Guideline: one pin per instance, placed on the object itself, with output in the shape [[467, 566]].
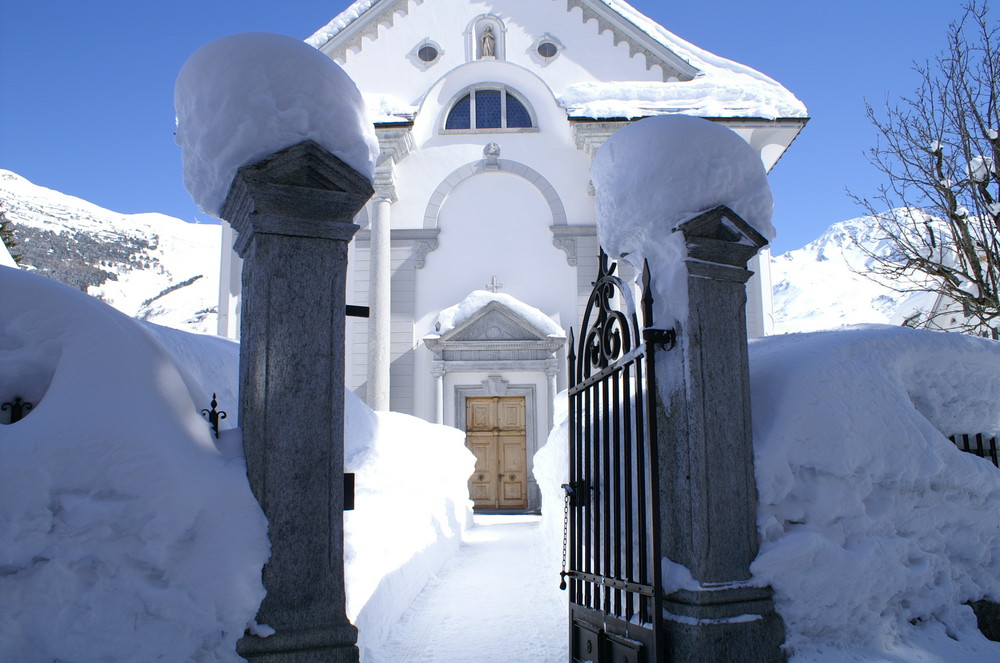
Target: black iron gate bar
[[987, 450], [615, 549]]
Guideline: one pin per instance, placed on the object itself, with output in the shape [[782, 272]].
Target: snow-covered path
[[496, 601]]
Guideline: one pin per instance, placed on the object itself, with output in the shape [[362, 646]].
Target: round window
[[547, 49], [427, 53]]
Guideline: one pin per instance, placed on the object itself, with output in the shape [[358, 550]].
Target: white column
[[438, 373], [379, 298], [231, 268], [551, 372]]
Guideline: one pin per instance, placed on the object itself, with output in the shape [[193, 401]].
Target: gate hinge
[[575, 492], [664, 337]]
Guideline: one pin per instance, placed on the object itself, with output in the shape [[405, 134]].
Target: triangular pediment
[[494, 322], [368, 20]]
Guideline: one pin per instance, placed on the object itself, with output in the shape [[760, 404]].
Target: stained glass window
[[517, 114], [460, 114], [488, 108], [488, 114]]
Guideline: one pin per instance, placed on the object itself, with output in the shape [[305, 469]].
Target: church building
[[478, 250]]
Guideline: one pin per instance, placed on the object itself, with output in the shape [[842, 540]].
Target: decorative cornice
[[639, 43], [420, 241], [589, 136], [352, 37]]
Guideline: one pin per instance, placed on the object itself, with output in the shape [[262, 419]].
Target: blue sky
[[86, 88]]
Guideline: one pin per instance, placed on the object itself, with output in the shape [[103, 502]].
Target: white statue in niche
[[488, 42]]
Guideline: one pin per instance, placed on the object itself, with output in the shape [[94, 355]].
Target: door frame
[[495, 386]]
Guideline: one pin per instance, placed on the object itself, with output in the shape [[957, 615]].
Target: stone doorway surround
[[496, 340], [497, 386]]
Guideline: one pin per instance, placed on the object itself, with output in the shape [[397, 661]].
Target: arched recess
[[474, 33], [474, 168]]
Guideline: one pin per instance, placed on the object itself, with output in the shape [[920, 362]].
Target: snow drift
[[128, 536], [876, 529], [129, 533]]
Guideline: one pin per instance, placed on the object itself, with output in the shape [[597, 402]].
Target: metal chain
[[564, 573]]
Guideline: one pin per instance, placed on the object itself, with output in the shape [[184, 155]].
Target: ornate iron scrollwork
[[214, 415], [609, 331]]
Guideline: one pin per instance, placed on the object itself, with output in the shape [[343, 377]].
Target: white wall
[[494, 223]]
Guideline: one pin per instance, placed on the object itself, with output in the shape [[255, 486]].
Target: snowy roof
[[720, 88]]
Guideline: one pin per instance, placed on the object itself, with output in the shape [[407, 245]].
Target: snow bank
[[128, 536], [412, 509], [550, 467], [243, 97], [875, 528]]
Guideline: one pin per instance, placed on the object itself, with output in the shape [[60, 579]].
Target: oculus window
[[427, 53], [547, 49], [488, 108]]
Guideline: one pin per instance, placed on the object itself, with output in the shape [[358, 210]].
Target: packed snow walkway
[[496, 601]]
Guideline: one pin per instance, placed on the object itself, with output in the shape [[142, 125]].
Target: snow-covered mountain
[[158, 268], [820, 285], [151, 266]]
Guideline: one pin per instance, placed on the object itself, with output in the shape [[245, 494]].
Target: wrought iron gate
[[613, 502]]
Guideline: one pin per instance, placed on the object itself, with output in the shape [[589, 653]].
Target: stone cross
[[293, 214], [494, 285]]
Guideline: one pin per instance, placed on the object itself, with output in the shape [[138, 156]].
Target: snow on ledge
[[454, 316]]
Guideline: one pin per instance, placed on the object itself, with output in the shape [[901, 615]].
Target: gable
[[368, 20], [594, 47], [495, 322]]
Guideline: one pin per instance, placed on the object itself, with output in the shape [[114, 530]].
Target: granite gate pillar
[[293, 214], [708, 505]]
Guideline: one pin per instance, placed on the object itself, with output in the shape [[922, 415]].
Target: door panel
[[483, 482], [495, 433], [513, 489]]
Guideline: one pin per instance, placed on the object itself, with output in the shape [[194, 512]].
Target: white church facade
[[478, 250]]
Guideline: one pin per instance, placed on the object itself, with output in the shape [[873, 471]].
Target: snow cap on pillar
[[657, 173], [243, 97]]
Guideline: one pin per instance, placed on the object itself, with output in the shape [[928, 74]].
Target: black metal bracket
[[214, 415], [664, 337], [348, 491], [18, 408], [358, 311]]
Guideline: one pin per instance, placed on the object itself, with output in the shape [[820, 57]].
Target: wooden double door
[[496, 435]]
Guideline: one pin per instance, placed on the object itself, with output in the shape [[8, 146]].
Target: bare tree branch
[[939, 150]]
